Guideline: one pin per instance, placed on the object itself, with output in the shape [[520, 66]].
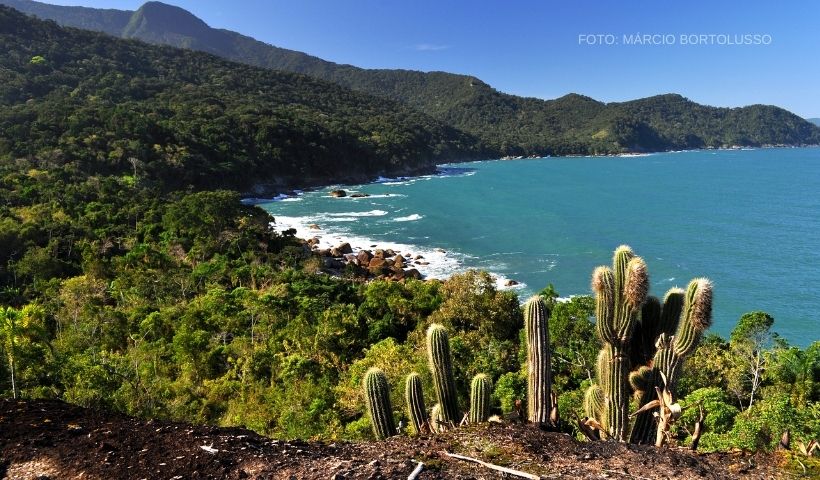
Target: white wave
[[505, 283], [408, 218], [292, 199], [371, 213]]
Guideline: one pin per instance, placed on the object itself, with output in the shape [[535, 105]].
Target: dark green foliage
[[480, 390], [414, 396], [441, 367], [510, 125], [377, 395]]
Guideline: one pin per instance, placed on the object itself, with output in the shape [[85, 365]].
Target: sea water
[[747, 219]]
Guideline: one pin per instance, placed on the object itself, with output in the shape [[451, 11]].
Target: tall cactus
[[441, 366], [377, 396], [480, 398], [688, 314], [414, 397], [539, 376], [620, 293]]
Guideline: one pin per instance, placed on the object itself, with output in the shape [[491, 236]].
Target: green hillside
[[185, 118], [511, 125]]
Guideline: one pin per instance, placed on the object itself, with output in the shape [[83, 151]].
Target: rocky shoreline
[[385, 264]]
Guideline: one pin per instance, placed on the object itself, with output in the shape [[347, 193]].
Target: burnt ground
[[55, 440]]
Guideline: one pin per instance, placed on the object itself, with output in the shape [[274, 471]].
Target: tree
[[747, 344], [15, 325]]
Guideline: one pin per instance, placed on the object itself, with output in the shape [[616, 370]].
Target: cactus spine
[[441, 366], [480, 398], [620, 293], [539, 379], [377, 396], [415, 402]]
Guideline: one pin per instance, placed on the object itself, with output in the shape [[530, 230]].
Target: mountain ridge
[[508, 124]]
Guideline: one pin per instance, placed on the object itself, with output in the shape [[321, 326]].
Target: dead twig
[[416, 472], [497, 468]]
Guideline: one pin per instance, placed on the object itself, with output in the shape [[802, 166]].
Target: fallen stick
[[498, 468], [415, 473]]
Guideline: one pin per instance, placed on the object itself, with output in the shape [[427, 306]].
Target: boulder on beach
[[364, 257], [313, 241], [338, 193], [376, 265], [510, 283], [359, 195], [345, 247], [398, 261], [313, 226], [412, 273], [441, 250], [378, 253]]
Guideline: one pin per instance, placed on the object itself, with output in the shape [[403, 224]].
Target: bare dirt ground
[[55, 440]]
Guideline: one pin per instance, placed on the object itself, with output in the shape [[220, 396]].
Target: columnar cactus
[[539, 377], [415, 402], [441, 366], [480, 398], [377, 396], [688, 314], [594, 402], [620, 293]]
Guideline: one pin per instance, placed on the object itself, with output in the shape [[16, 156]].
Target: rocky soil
[[54, 440]]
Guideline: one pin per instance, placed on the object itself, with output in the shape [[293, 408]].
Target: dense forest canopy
[[510, 125], [182, 118]]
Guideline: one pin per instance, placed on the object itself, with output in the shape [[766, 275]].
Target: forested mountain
[[183, 118], [511, 125]]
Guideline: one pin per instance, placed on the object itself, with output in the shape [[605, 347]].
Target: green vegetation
[[508, 124], [127, 284]]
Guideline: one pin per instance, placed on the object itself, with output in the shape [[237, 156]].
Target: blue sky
[[532, 48]]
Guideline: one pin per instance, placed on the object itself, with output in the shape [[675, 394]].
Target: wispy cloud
[[429, 47]]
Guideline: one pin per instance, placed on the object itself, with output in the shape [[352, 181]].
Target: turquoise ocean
[[747, 219]]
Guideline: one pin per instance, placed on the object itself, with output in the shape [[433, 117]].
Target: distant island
[[502, 124], [815, 121]]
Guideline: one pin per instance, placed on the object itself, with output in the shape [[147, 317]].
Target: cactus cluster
[[644, 345]]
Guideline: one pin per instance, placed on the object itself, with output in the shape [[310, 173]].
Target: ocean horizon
[[748, 219]]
